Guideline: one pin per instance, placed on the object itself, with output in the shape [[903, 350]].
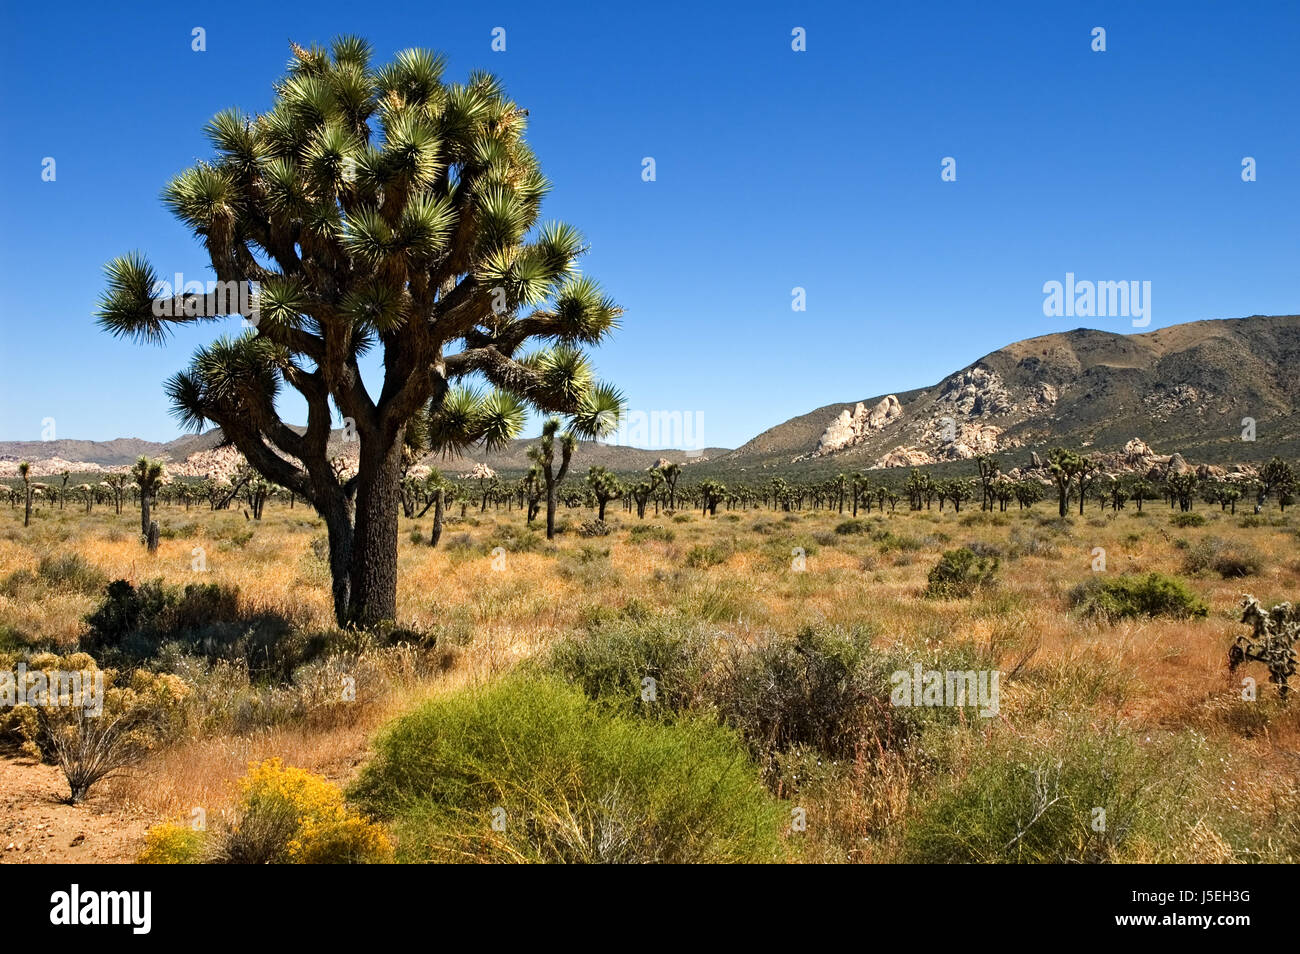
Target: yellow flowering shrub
[[352, 841], [170, 844], [289, 815]]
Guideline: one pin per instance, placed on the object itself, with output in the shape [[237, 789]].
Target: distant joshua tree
[[441, 493], [1141, 490], [24, 471], [988, 469], [605, 486], [1064, 466], [117, 484], [597, 418], [148, 477], [1182, 488], [670, 472], [712, 493], [642, 490], [1277, 476]]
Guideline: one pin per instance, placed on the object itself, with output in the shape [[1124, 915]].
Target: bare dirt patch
[[38, 827]]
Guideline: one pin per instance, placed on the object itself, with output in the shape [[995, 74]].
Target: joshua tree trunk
[[601, 515], [437, 517], [145, 507], [372, 567]]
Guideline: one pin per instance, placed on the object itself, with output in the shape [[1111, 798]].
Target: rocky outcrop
[[49, 467], [1166, 401], [905, 457], [1137, 449], [1138, 458], [977, 392], [849, 429], [972, 440]]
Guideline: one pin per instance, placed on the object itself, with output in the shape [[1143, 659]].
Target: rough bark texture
[[373, 564], [437, 518]]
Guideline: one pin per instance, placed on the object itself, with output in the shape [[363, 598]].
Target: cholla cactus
[[1272, 641]]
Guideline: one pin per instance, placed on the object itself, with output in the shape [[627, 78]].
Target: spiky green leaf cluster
[[380, 206]]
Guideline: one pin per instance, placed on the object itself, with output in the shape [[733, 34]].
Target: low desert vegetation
[[674, 687]]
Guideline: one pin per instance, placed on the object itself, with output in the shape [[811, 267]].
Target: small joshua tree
[[1272, 641], [148, 476], [25, 472], [605, 486], [712, 493], [642, 490], [1064, 465], [600, 416], [670, 472]]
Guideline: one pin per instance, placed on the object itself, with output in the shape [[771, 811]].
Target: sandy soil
[[37, 827]]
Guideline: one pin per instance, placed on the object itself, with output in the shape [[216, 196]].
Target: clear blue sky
[[775, 169]]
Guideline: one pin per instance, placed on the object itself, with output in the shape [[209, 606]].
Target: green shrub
[[595, 528], [1211, 553], [1121, 597], [651, 531], [826, 689], [1231, 564], [984, 518], [613, 662], [1035, 800], [240, 539], [71, 572], [184, 531], [1187, 520], [133, 624], [514, 540], [17, 581], [704, 555], [851, 527], [713, 600], [1031, 543], [959, 573], [890, 541], [529, 770], [589, 566]]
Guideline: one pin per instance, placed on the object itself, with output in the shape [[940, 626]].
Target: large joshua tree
[[376, 209]]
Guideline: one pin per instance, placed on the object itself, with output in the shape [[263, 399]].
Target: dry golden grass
[[1157, 675]]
